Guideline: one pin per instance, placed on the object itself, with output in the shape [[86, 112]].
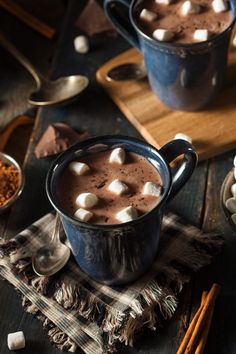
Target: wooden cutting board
[[213, 130]]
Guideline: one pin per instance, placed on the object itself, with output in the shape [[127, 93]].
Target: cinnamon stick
[[31, 21], [190, 339], [210, 300]]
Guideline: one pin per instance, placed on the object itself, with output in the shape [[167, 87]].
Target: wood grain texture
[[159, 124]]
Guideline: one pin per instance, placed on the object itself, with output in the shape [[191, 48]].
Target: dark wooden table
[[198, 202]]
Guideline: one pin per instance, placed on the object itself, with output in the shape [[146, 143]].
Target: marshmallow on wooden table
[[183, 136], [219, 6], [81, 44], [148, 15], [151, 188], [233, 190], [118, 187], [163, 2], [79, 168], [16, 340], [190, 7], [231, 205], [163, 35], [86, 200], [83, 215], [201, 35], [117, 156], [127, 214]]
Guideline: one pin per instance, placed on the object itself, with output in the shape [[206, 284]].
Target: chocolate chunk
[[57, 138], [93, 19]]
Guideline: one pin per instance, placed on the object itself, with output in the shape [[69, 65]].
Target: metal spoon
[[48, 92], [128, 71], [51, 258]]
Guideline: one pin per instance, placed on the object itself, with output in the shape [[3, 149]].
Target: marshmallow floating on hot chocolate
[[233, 190], [127, 214], [163, 35], [117, 156], [118, 187], [201, 35], [190, 7], [148, 15], [79, 168], [219, 6], [183, 136], [152, 189], [231, 205], [163, 2], [16, 340], [86, 200], [83, 214]]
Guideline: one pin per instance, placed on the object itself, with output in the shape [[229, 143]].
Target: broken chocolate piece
[[58, 137], [93, 19]]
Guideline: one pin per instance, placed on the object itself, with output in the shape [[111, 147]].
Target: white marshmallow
[[83, 215], [201, 35], [151, 188], [79, 168], [234, 162], [233, 190], [163, 2], [231, 205], [190, 7], [163, 35], [234, 41], [16, 340], [118, 187], [234, 172], [118, 156], [81, 44], [148, 15], [233, 218], [219, 6], [183, 136], [127, 214], [86, 200]]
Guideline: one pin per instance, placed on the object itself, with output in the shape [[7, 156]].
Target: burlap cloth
[[77, 311]]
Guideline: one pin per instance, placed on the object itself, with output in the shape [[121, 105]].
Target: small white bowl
[[225, 194], [11, 161]]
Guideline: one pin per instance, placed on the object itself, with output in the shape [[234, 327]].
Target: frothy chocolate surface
[[170, 17], [135, 172]]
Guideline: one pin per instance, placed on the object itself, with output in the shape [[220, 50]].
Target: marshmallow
[[219, 6], [234, 162], [16, 340], [118, 187], [148, 15], [234, 172], [233, 190], [81, 44], [190, 7], [118, 156], [163, 35], [83, 215], [127, 214], [234, 41], [86, 200], [233, 218], [152, 189], [163, 2], [183, 136], [231, 205], [201, 35], [79, 168]]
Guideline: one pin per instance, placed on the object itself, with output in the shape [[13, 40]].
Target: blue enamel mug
[[185, 77], [120, 253]]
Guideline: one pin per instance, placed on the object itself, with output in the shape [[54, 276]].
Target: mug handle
[[174, 149], [122, 21]]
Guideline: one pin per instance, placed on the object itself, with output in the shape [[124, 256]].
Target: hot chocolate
[[181, 21], [109, 187]]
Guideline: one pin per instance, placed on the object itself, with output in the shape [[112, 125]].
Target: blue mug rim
[[91, 141], [172, 45]]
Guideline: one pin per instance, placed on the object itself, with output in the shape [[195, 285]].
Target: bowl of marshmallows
[[228, 196]]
